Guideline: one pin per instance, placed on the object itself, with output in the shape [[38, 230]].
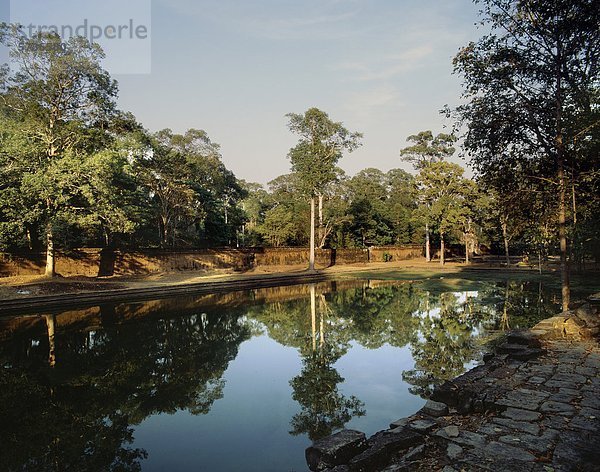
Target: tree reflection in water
[[76, 411], [323, 408], [73, 385]]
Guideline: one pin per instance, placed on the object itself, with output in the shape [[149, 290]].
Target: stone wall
[[101, 262], [395, 253]]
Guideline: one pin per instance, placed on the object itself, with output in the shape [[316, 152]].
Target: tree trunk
[[311, 255], [442, 248], [427, 244], [466, 250], [321, 228], [165, 232], [29, 239], [313, 315], [50, 257], [562, 233], [505, 237], [560, 155], [50, 325]]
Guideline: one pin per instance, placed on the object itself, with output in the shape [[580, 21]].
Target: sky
[[236, 68]]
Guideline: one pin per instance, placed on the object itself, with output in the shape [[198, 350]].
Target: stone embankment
[[533, 406]]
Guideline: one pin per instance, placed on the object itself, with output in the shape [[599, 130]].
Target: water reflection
[[323, 408], [73, 385]]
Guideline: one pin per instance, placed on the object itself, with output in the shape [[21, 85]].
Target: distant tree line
[[75, 171]]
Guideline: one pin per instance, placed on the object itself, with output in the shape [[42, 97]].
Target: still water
[[241, 381]]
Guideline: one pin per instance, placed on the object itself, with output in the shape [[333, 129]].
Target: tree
[[320, 146], [194, 193], [425, 151], [401, 203], [531, 86], [444, 193], [61, 97]]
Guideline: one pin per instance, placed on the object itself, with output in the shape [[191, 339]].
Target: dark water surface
[[240, 381]]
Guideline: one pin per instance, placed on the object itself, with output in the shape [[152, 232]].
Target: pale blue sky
[[235, 68]]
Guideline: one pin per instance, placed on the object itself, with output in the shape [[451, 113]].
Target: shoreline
[[21, 294], [532, 406]]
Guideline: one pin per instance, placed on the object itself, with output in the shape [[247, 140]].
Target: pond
[[239, 381]]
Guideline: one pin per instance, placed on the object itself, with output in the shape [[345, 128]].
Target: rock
[[539, 333], [523, 337], [435, 409], [523, 399], [399, 423], [335, 450], [524, 426], [488, 356], [422, 426], [508, 348], [521, 415], [527, 354], [414, 454], [573, 326], [557, 407], [591, 401], [537, 380], [506, 452], [464, 438], [382, 446], [401, 467], [446, 393], [541, 444], [577, 451], [454, 451], [451, 431], [587, 315]]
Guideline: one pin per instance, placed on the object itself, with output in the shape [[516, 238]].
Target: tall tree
[[60, 95], [445, 194], [425, 151], [530, 87], [321, 144]]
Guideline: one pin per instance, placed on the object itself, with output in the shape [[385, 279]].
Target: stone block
[[435, 409], [557, 408], [521, 415], [382, 447], [422, 426], [335, 450]]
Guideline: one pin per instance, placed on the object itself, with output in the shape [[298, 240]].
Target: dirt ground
[[38, 285]]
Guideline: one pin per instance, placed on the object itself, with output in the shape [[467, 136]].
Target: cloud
[[365, 104], [273, 19], [386, 67]]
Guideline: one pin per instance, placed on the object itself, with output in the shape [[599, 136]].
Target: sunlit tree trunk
[[321, 227], [50, 325], [505, 237], [311, 256], [562, 232], [50, 256], [427, 244], [505, 321], [442, 248], [313, 316]]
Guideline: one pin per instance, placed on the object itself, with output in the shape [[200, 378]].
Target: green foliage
[[427, 149], [446, 196], [320, 146]]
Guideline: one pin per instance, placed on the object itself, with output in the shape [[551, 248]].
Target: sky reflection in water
[[239, 381]]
